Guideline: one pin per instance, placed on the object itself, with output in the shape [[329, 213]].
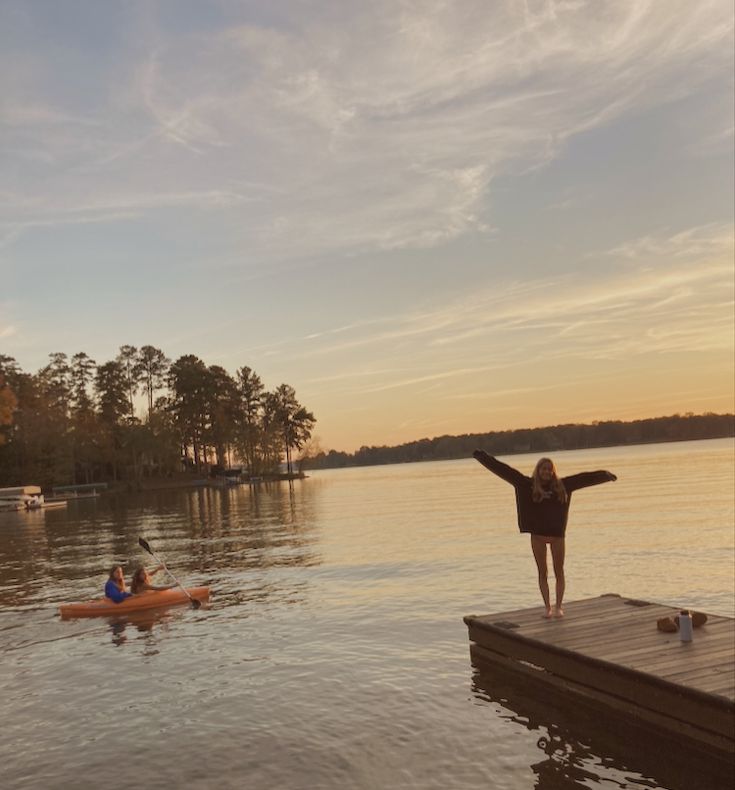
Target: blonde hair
[[537, 493]]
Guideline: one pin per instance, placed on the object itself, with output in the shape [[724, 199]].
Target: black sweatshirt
[[549, 516]]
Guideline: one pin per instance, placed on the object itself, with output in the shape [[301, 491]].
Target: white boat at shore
[[26, 498], [17, 498], [39, 502]]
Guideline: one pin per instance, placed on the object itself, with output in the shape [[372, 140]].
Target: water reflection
[[578, 746], [205, 534], [139, 623]]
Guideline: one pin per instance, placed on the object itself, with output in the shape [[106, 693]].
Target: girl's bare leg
[[538, 546], [557, 557]]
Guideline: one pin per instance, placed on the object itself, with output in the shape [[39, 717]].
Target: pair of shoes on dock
[[670, 625]]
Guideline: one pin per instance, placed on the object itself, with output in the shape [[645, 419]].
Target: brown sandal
[[667, 625], [698, 619]]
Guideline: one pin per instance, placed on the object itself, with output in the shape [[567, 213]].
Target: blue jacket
[[113, 592]]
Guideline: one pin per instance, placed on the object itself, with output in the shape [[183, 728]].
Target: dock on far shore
[[608, 653]]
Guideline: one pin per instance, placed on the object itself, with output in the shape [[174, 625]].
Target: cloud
[[21, 218], [33, 114], [678, 298], [704, 241], [362, 128], [485, 394]]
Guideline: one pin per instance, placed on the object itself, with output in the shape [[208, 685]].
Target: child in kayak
[[115, 586], [142, 581]]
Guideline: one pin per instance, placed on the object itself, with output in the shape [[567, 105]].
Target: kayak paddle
[[144, 545]]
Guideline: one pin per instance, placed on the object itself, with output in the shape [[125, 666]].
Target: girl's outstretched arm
[[507, 473], [586, 479], [155, 588]]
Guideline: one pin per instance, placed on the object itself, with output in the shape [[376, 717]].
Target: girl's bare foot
[[559, 612], [547, 614]]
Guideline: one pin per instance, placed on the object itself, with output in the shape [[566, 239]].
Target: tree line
[[537, 440], [75, 421]]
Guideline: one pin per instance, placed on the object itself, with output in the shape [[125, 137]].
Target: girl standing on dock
[[542, 501]]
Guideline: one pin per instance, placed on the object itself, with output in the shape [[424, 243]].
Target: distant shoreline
[[548, 439], [193, 482], [166, 484], [529, 452]]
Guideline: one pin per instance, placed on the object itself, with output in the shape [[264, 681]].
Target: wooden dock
[[608, 652]]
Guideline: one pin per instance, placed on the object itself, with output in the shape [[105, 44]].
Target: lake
[[333, 652]]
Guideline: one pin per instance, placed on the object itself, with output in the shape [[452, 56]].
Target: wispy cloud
[[678, 298], [705, 241], [494, 394], [20, 218]]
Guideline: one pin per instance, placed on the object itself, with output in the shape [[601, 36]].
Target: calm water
[[333, 654]]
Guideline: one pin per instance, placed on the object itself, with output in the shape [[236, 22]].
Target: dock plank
[[661, 650]]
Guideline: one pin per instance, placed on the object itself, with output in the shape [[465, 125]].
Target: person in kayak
[[115, 587], [142, 581], [542, 503]]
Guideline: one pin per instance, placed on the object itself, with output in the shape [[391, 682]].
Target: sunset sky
[[427, 217]]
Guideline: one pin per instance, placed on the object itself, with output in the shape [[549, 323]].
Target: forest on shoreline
[[76, 422], [537, 440]]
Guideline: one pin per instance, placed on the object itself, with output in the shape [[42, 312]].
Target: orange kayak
[[104, 607]]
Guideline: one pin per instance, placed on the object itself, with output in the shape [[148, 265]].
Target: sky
[[428, 217]]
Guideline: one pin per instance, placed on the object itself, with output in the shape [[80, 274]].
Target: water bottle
[[685, 626]]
